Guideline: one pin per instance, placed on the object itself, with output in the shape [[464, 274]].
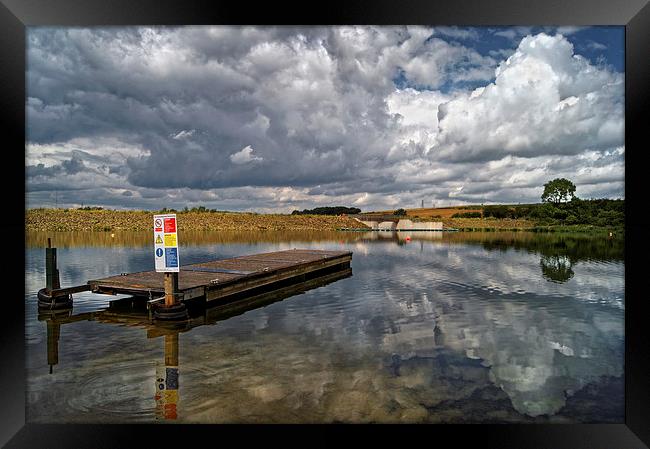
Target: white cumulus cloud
[[545, 100], [244, 156]]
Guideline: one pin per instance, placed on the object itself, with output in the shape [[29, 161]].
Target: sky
[[273, 119]]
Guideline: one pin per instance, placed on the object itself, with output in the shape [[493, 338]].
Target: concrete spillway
[[402, 225]]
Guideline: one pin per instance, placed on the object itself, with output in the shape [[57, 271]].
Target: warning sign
[[165, 243], [170, 240], [171, 258], [170, 224]]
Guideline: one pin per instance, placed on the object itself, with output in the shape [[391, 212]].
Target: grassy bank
[[63, 220], [496, 225], [477, 224], [110, 220], [576, 216]]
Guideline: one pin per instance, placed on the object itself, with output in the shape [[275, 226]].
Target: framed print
[[365, 213]]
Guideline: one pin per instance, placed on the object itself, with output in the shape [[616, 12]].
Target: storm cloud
[[282, 118]]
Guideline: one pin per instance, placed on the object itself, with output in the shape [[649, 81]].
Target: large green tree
[[558, 190]]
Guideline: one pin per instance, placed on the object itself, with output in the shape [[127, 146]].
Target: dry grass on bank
[[107, 220], [486, 223], [444, 214]]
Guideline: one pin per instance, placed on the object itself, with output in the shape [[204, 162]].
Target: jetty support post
[[171, 289], [173, 308], [51, 272]]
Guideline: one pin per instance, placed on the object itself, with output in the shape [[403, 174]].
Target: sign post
[[165, 238]]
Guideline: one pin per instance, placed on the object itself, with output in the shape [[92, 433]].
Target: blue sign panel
[[159, 252], [172, 378], [171, 257]]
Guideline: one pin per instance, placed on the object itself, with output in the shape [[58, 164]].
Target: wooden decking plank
[[237, 274], [206, 269], [259, 281]]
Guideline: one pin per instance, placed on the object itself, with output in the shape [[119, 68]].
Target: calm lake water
[[453, 327]]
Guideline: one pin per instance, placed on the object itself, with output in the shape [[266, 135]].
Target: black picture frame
[[15, 15]]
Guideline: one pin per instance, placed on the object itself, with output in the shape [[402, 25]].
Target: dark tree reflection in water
[[556, 268]]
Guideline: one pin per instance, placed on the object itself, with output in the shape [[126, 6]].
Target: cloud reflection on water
[[437, 331]]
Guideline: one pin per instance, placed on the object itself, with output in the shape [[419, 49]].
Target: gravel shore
[[110, 220]]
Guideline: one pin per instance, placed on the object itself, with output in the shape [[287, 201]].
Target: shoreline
[[66, 220]]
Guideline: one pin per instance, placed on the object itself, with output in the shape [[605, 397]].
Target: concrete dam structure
[[401, 224]]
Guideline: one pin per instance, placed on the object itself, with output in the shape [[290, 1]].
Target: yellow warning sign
[[158, 240], [170, 239]]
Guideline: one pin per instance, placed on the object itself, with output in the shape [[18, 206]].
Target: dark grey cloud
[[296, 116], [67, 167]]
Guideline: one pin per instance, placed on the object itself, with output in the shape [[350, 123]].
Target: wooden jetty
[[218, 279], [129, 312]]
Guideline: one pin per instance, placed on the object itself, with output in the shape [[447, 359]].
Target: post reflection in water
[[167, 380], [53, 320], [53, 332], [441, 327]]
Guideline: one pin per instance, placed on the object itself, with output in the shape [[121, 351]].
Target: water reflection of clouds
[[528, 340], [414, 328]]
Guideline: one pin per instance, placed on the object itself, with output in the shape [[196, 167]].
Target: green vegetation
[[558, 191], [187, 210], [466, 215], [598, 212], [337, 210], [561, 211], [400, 212]]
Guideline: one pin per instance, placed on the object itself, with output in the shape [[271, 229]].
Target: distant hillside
[[604, 213], [438, 212]]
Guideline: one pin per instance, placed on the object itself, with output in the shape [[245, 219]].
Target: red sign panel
[[170, 225]]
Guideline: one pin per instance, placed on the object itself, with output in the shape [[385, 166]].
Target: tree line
[[336, 210], [559, 205]]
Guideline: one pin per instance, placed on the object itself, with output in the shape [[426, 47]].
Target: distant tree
[[400, 212], [337, 210], [558, 190], [497, 211], [466, 215]]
